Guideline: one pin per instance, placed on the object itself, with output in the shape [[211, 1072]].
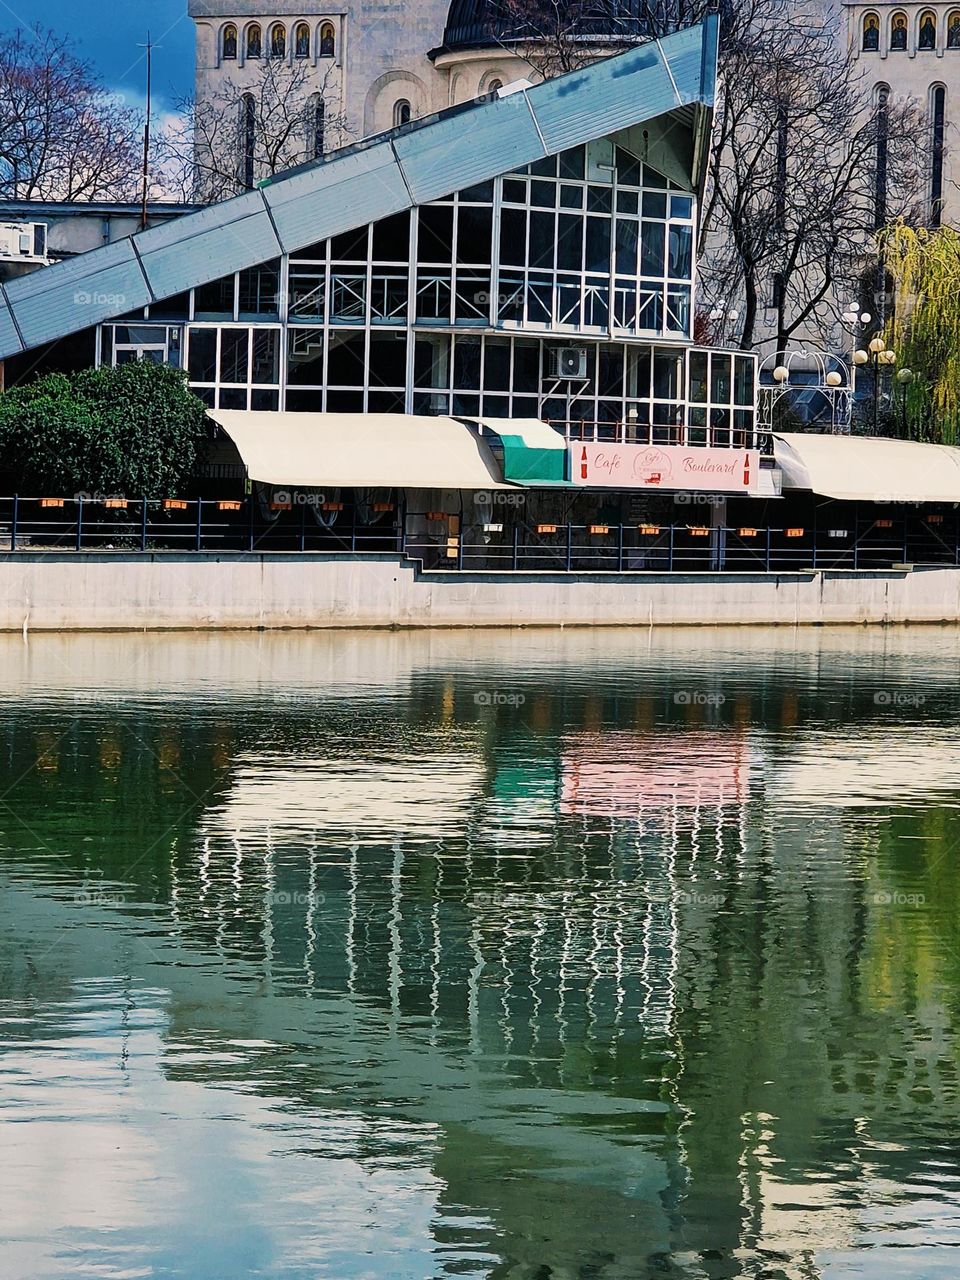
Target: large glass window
[[203, 355], [460, 305], [556, 228], [235, 367], [259, 291]]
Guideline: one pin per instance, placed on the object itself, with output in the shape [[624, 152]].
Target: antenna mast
[[146, 136]]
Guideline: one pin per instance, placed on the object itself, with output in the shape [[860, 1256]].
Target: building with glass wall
[[518, 272], [561, 291]]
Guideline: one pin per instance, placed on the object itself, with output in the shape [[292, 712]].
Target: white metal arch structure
[[827, 369]]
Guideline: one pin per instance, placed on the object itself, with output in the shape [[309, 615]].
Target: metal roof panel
[[603, 98], [9, 338], [502, 135], [76, 294], [360, 187], [204, 246]]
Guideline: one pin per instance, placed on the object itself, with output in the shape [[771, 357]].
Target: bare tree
[[62, 135], [250, 130], [803, 169]]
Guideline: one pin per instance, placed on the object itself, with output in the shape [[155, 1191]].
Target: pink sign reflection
[[630, 774]]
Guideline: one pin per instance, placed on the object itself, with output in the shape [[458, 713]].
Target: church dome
[[478, 23]]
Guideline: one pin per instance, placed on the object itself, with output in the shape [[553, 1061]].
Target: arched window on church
[[401, 113], [229, 46], [927, 30], [880, 174], [302, 40], [938, 103], [953, 30], [318, 140], [494, 85], [871, 34], [328, 41], [248, 126], [254, 41], [278, 41], [898, 33]]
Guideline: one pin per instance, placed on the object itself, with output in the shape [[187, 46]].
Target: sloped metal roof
[[359, 184]]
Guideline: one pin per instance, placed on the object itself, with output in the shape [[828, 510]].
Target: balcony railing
[[627, 432], [857, 540]]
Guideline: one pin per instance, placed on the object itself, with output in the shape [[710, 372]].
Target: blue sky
[[107, 32]]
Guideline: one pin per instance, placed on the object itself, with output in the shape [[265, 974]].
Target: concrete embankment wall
[[114, 591]]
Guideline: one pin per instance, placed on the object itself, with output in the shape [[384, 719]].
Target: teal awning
[[533, 453]]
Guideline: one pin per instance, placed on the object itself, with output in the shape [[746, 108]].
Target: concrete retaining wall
[[114, 591]]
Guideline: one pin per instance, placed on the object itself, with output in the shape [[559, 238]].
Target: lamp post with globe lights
[[721, 316], [853, 318], [904, 379], [879, 355]]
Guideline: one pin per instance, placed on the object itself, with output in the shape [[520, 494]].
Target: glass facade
[[563, 291]]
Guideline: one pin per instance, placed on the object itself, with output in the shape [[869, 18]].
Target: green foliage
[[924, 264], [135, 430]]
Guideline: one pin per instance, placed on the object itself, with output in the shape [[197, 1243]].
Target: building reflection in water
[[630, 949]]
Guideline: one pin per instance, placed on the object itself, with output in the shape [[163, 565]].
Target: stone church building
[[380, 63], [913, 51]]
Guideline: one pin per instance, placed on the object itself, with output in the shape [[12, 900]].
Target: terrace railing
[[611, 431], [441, 541]]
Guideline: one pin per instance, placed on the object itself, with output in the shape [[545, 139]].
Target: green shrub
[[135, 430]]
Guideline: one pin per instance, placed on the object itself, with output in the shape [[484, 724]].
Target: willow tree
[[924, 266]]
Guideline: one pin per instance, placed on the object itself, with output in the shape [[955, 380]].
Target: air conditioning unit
[[569, 363], [25, 241]]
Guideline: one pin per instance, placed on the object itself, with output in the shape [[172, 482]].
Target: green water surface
[[527, 955]]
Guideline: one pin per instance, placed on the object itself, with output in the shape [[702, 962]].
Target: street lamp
[[881, 357], [904, 378], [854, 318], [721, 314]]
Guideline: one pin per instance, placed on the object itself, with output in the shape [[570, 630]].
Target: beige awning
[[869, 469], [360, 450]]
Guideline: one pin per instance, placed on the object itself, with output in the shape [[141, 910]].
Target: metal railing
[[181, 524], [680, 548], [590, 431], [437, 541]]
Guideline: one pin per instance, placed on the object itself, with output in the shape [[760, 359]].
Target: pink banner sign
[[670, 466]]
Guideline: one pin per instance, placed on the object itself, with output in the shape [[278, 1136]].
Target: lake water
[[529, 956]]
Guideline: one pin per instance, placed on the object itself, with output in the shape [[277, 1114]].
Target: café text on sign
[[674, 467]]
